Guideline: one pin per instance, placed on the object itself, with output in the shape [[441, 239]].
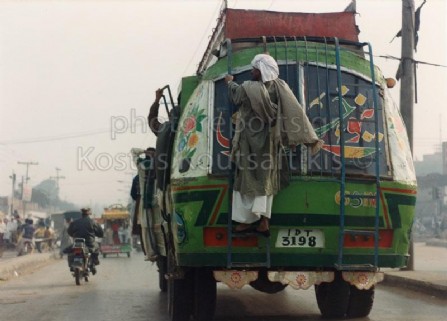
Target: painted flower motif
[[189, 124], [301, 279], [193, 140], [181, 145], [360, 99], [192, 129], [362, 278], [367, 113], [236, 277]]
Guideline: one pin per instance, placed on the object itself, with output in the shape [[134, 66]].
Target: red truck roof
[[240, 24], [255, 23]]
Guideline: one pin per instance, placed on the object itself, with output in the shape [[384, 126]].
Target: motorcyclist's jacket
[[87, 229]]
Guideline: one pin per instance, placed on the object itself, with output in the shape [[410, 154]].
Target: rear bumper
[[280, 261], [298, 279]]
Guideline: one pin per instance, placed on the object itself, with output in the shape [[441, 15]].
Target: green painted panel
[[315, 205], [189, 84], [311, 52]]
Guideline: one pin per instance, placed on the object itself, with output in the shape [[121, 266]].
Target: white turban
[[267, 65]]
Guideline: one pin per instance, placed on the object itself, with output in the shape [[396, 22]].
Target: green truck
[[347, 212]]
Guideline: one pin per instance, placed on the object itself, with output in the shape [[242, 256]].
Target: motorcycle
[[80, 261]]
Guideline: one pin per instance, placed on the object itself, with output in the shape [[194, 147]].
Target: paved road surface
[[127, 289]]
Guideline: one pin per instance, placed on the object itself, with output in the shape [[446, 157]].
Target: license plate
[[297, 237]]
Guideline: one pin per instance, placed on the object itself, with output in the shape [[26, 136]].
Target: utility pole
[[57, 177], [27, 178], [13, 177], [407, 84]]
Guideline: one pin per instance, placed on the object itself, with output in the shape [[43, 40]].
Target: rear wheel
[[333, 298], [360, 302], [204, 294], [162, 270], [180, 298], [180, 292], [77, 275]]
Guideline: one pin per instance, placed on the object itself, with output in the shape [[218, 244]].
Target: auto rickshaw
[[116, 240]]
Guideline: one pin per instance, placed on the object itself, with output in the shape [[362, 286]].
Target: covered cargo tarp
[[253, 23], [240, 24]]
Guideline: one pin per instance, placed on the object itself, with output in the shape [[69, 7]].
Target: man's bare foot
[[263, 225], [242, 227]]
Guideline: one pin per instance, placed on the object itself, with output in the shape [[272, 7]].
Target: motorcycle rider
[[87, 229]]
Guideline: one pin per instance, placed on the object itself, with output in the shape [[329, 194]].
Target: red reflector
[[217, 236], [77, 250], [385, 239]]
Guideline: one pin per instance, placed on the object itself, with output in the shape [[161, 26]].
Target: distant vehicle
[[347, 212], [116, 240]]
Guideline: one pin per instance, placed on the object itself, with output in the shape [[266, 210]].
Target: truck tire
[[162, 270], [205, 292], [180, 293], [360, 302], [180, 299], [333, 298]]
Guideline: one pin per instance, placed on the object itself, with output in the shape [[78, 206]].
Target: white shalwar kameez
[[249, 209]]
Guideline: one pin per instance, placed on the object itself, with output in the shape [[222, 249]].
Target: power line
[[53, 138], [69, 135], [414, 61], [203, 36]]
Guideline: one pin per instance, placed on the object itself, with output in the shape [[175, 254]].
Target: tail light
[[367, 241], [78, 250], [217, 236]]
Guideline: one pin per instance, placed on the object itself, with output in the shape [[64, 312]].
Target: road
[[127, 289]]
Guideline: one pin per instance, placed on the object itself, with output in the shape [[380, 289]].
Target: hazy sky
[[77, 79]]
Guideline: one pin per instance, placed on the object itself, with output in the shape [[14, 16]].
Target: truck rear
[[347, 211]]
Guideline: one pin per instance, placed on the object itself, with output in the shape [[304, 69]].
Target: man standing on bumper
[[269, 118]]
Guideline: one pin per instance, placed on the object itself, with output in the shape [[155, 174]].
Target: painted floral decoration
[[191, 127]]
